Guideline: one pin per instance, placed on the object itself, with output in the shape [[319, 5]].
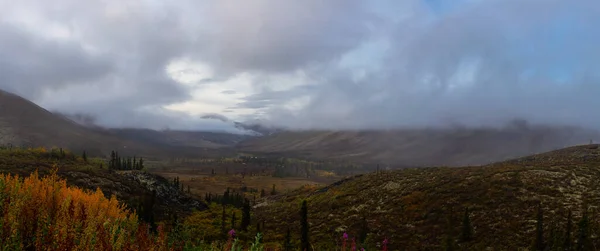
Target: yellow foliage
[[45, 214]]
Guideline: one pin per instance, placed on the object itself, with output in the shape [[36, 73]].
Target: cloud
[[305, 64], [471, 65]]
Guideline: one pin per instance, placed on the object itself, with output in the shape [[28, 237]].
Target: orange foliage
[[45, 214]]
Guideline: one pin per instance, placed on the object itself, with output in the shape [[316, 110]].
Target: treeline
[[233, 198], [278, 166], [117, 162]]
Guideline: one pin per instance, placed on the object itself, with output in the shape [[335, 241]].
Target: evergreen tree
[[273, 191], [364, 230], [583, 233], [567, 245], [262, 193], [287, 245], [84, 155], [223, 219], [141, 164], [554, 238], [539, 230], [245, 215], [112, 162], [233, 220], [467, 228], [449, 237], [304, 227]]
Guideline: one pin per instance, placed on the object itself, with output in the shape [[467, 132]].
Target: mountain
[[421, 147], [198, 139], [23, 123], [424, 208]]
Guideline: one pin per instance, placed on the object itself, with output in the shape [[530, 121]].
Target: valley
[[413, 188]]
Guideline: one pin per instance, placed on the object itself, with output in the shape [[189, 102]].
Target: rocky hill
[[423, 208]]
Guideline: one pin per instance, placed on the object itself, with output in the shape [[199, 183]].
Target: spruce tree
[[539, 230], [245, 215], [233, 220], [287, 245], [449, 236], [583, 233], [467, 228], [141, 164], [223, 219], [111, 163], [567, 245], [304, 227], [84, 155], [553, 242], [273, 191]]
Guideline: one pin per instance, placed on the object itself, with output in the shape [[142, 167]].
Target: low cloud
[[312, 64]]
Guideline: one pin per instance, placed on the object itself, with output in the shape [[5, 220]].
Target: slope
[[198, 139], [421, 147], [129, 187], [24, 123], [418, 208]]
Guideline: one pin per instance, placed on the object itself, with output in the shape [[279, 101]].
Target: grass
[[201, 184], [88, 175], [413, 207]]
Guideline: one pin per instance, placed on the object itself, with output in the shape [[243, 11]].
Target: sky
[[312, 64]]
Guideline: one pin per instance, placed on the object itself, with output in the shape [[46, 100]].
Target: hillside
[[176, 138], [421, 147], [129, 187], [23, 123], [417, 208]]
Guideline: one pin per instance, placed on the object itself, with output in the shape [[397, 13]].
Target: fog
[[309, 64]]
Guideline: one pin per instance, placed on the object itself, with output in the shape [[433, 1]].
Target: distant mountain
[[421, 147], [24, 123], [180, 138]]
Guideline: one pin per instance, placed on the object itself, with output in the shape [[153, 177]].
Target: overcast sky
[[305, 64]]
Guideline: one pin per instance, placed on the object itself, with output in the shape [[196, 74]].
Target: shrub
[[43, 213]]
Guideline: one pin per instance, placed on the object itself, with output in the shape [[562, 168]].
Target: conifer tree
[[583, 233], [223, 219], [141, 163], [449, 237], [539, 230], [245, 215], [84, 155], [304, 227], [287, 245], [553, 241], [567, 245], [467, 228], [233, 220]]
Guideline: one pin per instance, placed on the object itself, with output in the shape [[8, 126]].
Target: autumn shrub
[[43, 213]]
